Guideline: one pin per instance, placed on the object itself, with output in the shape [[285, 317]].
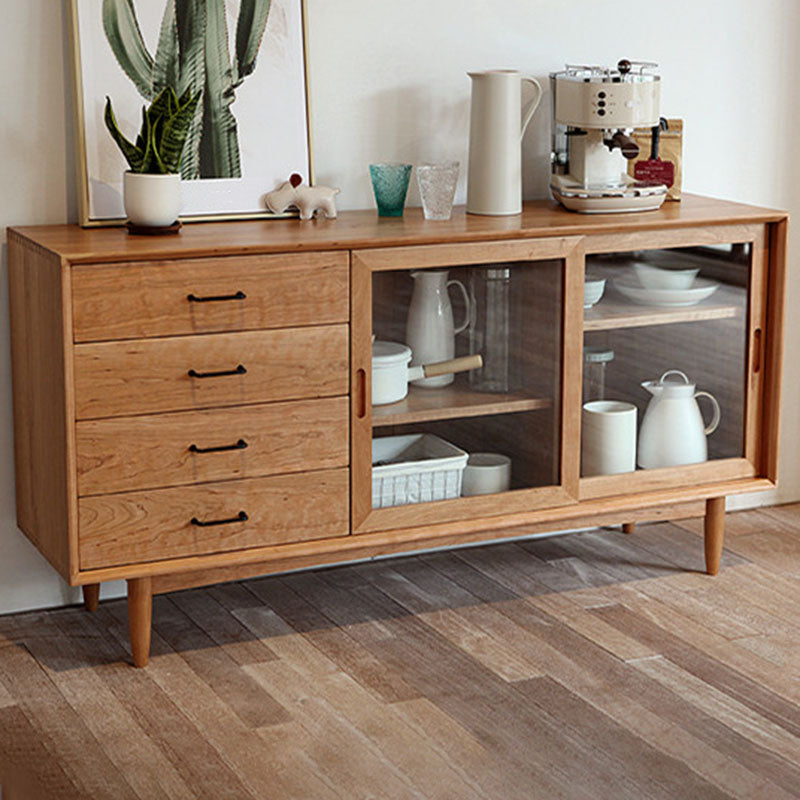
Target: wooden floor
[[591, 666]]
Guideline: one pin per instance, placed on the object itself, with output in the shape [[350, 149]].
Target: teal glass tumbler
[[390, 185]]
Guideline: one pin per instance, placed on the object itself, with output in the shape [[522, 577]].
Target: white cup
[[486, 473], [608, 438]]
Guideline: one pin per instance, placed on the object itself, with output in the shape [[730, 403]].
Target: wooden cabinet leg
[[91, 596], [140, 615], [628, 527], [714, 533]]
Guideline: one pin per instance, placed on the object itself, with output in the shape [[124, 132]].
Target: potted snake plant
[[152, 185]]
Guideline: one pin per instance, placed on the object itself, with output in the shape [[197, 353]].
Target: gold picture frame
[[77, 12]]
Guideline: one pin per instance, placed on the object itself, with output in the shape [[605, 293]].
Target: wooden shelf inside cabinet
[[614, 311], [452, 402]]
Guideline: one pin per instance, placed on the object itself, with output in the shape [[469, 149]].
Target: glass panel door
[[485, 439], [666, 320]]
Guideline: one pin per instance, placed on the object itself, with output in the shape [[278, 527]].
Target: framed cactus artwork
[[246, 59]]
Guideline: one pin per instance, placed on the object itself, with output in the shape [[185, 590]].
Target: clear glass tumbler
[[390, 184], [437, 188]]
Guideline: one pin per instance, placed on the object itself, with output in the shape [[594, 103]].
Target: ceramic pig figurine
[[306, 199]]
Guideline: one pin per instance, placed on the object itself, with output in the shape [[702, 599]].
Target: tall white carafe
[[673, 432], [494, 180], [430, 332]]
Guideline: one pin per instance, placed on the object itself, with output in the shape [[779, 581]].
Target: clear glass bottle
[[490, 327], [595, 363]]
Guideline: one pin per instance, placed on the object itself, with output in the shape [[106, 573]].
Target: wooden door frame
[[363, 264]]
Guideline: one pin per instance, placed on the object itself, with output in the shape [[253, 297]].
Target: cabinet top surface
[[364, 229]]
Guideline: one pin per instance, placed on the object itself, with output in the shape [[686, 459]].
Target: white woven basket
[[421, 468]]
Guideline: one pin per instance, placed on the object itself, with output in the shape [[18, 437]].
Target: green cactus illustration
[[193, 55]]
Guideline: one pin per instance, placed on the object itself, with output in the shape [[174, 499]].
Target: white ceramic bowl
[[593, 289], [701, 289], [656, 278]]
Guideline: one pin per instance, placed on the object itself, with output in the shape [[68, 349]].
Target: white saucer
[[700, 290]]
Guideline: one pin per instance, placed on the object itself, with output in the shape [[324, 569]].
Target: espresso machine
[[594, 111]]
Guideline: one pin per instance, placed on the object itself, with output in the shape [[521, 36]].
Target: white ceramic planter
[[152, 200]]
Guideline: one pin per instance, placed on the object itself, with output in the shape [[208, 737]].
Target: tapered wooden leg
[[140, 615], [91, 596], [714, 533], [628, 527]]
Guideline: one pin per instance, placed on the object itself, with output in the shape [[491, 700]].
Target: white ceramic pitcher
[[494, 180], [430, 332], [673, 431]]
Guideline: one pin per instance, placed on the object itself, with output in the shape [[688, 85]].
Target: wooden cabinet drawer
[[148, 299], [143, 376], [134, 527], [128, 453]]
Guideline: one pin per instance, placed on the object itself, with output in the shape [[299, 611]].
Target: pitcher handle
[[717, 415], [529, 112], [467, 304]]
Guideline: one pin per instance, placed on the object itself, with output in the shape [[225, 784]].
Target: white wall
[[388, 82]]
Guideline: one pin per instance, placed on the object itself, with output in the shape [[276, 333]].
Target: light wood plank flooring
[[593, 665]]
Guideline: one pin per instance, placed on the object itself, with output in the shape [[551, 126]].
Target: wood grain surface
[[454, 401], [595, 666], [303, 554], [41, 362], [774, 345], [128, 453], [614, 311], [144, 376], [145, 526], [364, 229], [145, 299]]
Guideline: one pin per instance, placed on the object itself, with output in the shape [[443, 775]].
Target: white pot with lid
[[391, 373]]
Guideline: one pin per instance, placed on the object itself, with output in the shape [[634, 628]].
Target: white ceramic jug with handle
[[494, 179], [673, 432], [430, 332]]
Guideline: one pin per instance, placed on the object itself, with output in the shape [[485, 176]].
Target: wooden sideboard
[[196, 408]]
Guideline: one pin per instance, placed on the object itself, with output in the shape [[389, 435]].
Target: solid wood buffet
[[196, 408]]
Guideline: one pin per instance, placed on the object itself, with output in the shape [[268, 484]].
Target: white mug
[[486, 473], [608, 438]]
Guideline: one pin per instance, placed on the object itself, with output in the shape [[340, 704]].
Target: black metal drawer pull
[[240, 445], [216, 298], [240, 370], [240, 517]]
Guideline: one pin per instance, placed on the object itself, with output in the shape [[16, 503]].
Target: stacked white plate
[[652, 286]]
